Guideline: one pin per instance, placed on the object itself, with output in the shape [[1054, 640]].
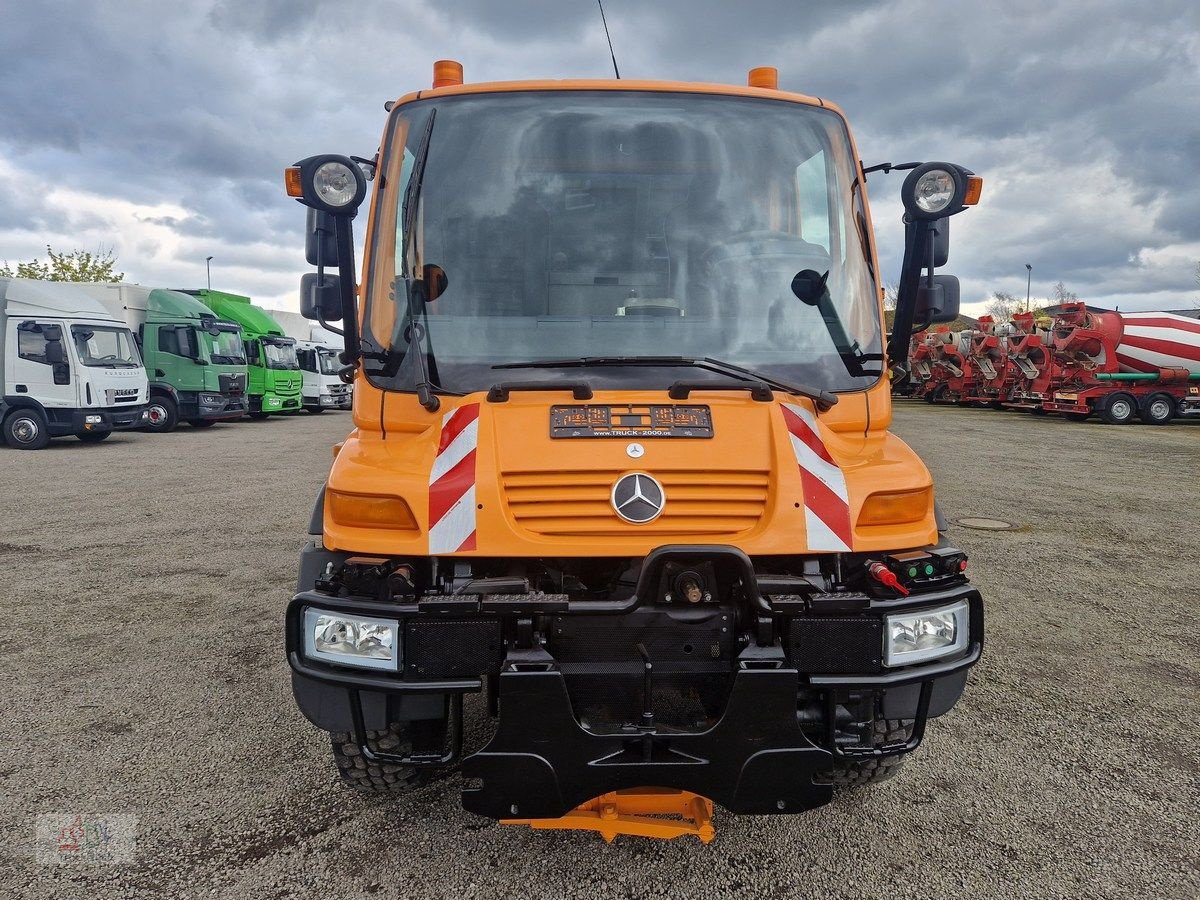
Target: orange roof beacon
[[620, 458]]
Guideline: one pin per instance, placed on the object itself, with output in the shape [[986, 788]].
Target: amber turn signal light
[[896, 508], [370, 511], [291, 181], [974, 190]]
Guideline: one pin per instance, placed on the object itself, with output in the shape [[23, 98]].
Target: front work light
[[351, 640], [936, 189], [330, 183], [915, 637]]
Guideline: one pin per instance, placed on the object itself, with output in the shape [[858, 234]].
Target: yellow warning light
[[447, 72], [764, 77], [291, 181], [974, 190]]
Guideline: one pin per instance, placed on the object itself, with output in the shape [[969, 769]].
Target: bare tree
[[1062, 295], [1002, 305]]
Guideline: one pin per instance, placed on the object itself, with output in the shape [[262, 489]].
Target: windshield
[[100, 345], [575, 224], [279, 355], [329, 362], [226, 347]]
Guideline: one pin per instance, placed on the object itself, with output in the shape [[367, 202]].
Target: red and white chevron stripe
[[452, 483], [1154, 341], [826, 500]]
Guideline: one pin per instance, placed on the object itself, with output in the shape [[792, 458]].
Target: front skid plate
[[542, 764]]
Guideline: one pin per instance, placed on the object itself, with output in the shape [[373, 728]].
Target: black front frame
[[541, 762]]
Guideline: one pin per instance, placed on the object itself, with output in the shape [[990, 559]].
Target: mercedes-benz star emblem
[[638, 498], [635, 451]]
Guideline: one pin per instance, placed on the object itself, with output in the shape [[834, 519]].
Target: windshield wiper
[[414, 331], [823, 399]]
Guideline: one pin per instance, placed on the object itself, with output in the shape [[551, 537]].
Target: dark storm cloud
[[1083, 117]]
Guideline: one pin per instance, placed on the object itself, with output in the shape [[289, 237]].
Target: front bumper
[[111, 418], [222, 406], [762, 754]]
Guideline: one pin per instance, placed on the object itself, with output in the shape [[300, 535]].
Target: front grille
[[121, 395], [462, 648], [232, 385], [836, 646], [577, 503]]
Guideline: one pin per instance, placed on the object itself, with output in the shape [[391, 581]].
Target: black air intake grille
[[461, 648], [836, 646]]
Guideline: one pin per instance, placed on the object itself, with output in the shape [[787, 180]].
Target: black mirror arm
[[917, 248], [344, 234]]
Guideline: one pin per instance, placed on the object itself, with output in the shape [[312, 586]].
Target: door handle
[[159, 373]]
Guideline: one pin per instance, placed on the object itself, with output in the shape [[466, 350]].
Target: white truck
[[317, 349], [68, 366]]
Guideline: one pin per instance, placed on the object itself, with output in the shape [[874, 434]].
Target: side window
[[251, 351], [812, 192], [168, 340], [31, 345]]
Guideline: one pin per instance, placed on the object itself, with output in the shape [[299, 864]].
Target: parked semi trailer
[[196, 361], [68, 366], [319, 354], [273, 382], [621, 457]]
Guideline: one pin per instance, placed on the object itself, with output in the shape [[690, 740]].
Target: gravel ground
[[145, 676]]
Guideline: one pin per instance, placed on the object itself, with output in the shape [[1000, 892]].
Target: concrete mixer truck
[[1123, 365]]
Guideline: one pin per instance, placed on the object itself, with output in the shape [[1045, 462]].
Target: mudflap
[[542, 764]]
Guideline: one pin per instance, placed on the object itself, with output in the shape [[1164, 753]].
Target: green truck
[[274, 372], [195, 360]]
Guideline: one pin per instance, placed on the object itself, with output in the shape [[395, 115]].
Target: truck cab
[[620, 457], [68, 366], [322, 388], [274, 378], [196, 361]]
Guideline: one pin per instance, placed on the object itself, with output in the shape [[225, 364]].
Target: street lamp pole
[[208, 270], [1028, 283]]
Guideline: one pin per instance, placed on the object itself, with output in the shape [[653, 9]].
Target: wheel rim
[[158, 415], [1121, 409], [25, 430], [1160, 409]]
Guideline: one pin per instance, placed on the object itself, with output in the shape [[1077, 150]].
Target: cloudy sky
[[161, 130]]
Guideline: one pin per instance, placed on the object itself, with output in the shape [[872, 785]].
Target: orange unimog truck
[[621, 459]]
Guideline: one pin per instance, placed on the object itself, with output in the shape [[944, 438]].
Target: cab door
[[39, 364]]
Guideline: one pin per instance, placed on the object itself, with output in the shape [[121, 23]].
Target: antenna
[[609, 36]]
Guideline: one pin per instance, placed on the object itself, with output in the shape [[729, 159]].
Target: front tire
[[376, 778], [25, 429], [201, 423], [259, 416], [163, 415], [93, 437], [856, 773]]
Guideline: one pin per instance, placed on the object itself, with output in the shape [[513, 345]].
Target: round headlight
[[335, 184], [934, 191]]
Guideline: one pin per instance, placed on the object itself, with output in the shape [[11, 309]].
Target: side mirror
[[321, 297], [939, 302], [809, 286], [55, 355], [320, 242]]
